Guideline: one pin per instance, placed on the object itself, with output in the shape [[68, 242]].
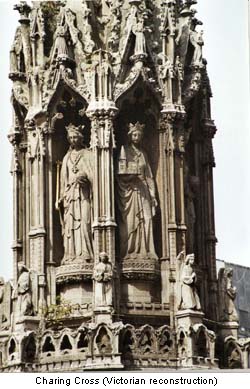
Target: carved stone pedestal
[[27, 323], [187, 318], [74, 282], [229, 329], [139, 278], [103, 315], [195, 342]]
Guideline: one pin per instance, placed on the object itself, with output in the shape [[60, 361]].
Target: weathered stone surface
[[112, 177]]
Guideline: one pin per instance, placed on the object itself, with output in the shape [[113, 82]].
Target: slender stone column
[[14, 138], [102, 144], [209, 130], [164, 204]]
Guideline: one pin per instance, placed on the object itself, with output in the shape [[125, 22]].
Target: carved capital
[[209, 128], [102, 130], [141, 269], [74, 273], [24, 10]]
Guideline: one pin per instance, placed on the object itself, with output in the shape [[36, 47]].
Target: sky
[[225, 24]]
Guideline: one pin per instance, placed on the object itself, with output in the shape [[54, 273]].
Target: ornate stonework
[[113, 178]]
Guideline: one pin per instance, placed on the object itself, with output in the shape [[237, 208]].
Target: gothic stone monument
[[114, 236]]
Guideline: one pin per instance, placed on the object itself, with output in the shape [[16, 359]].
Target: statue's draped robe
[[76, 199], [135, 195], [25, 305], [103, 286], [189, 295]]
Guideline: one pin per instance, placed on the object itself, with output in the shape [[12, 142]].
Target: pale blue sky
[[226, 49]]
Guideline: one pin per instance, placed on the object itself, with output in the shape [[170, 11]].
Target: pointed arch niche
[[140, 104], [66, 107]]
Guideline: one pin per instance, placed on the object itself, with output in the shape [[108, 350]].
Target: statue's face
[[191, 260], [74, 139], [136, 137]]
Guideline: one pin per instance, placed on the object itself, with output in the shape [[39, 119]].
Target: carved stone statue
[[103, 342], [16, 54], [191, 186], [24, 292], [75, 199], [136, 199], [60, 48], [103, 276], [167, 75], [5, 304], [2, 315], [227, 295], [140, 42], [196, 39], [189, 295]]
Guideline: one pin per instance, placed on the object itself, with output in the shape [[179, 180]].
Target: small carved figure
[[136, 200], [140, 41], [60, 48], [183, 38], [179, 69], [191, 185], [25, 304], [75, 199], [103, 342], [167, 69], [234, 360], [227, 295], [146, 343], [17, 61], [189, 295], [89, 44], [165, 342], [103, 276], [2, 315], [196, 39], [167, 75]]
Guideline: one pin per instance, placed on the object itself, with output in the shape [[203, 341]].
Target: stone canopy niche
[[114, 236]]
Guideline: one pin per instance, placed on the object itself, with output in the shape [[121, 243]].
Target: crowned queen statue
[[136, 198], [75, 201]]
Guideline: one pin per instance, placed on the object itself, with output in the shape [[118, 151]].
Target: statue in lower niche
[[103, 276], [2, 313], [227, 295], [189, 295], [75, 202], [136, 199], [24, 292]]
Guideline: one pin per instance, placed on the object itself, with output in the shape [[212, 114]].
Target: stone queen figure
[[75, 199], [227, 295], [136, 199], [103, 276], [189, 295]]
